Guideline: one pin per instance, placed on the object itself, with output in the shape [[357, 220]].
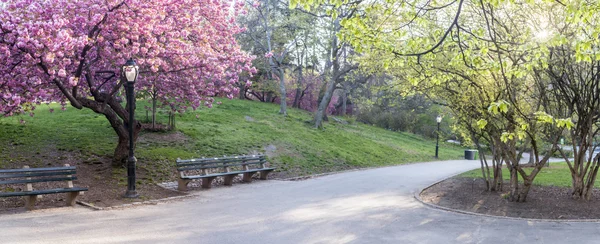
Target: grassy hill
[[231, 128]]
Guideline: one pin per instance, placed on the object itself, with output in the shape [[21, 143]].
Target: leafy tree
[[462, 52], [574, 86], [272, 33], [337, 65]]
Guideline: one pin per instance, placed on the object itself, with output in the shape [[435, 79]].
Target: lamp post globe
[[438, 119], [130, 71], [129, 75]]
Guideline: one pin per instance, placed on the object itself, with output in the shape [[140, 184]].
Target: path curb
[[417, 196], [133, 204]]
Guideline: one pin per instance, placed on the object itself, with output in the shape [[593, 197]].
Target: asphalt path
[[367, 206]]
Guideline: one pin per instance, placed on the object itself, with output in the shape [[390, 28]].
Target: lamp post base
[[131, 192]]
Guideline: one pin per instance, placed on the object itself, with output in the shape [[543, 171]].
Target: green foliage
[[414, 114], [565, 123], [481, 123], [498, 107]]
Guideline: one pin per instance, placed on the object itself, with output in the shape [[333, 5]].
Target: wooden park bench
[[28, 176], [208, 169]]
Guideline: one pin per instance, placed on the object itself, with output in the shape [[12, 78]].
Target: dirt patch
[[163, 138], [156, 127], [543, 202]]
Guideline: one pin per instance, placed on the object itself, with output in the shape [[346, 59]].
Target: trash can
[[470, 154]]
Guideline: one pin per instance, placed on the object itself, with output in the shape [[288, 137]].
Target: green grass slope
[[231, 128]]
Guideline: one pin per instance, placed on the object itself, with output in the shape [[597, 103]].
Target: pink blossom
[[73, 81], [51, 41], [62, 73], [49, 57]]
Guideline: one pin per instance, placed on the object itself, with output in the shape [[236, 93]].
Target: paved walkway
[[370, 206]]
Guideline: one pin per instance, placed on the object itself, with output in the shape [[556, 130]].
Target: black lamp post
[[130, 73], [437, 140]]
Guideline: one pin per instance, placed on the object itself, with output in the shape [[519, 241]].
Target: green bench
[[208, 169], [28, 176]]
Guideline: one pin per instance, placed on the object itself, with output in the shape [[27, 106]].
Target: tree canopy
[[71, 51]]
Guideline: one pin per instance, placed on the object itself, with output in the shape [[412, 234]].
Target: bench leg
[[207, 182], [228, 180], [248, 177], [30, 202], [182, 184], [263, 174], [72, 197]]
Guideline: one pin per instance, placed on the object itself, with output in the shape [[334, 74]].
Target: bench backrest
[[35, 175], [224, 162]]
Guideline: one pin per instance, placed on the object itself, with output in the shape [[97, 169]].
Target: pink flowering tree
[[71, 51]]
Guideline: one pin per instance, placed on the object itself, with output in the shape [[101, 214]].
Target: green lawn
[[221, 130], [557, 174]]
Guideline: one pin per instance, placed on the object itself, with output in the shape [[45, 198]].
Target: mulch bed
[[543, 202]]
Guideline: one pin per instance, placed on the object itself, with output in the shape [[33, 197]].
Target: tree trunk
[[268, 97], [297, 98], [172, 120], [484, 169], [498, 181], [524, 191], [242, 94], [591, 179], [577, 186], [344, 99], [322, 110], [514, 185], [318, 121], [153, 112], [296, 103], [122, 150], [283, 97]]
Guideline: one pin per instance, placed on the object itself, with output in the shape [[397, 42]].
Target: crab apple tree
[[71, 52]]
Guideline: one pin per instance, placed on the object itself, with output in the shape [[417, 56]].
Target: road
[[368, 206]]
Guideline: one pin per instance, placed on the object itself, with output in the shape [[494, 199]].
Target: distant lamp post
[[130, 73], [437, 141]]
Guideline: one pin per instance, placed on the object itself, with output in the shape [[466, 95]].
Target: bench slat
[[208, 175], [190, 167], [37, 169], [41, 192], [70, 172], [213, 159], [219, 161], [37, 180], [227, 173]]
